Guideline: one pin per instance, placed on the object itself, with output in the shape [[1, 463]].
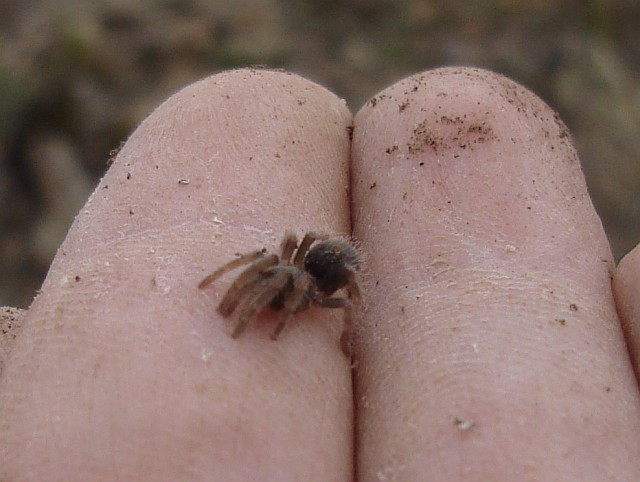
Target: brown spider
[[292, 282]]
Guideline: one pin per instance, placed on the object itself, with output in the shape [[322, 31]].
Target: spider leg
[[225, 268], [353, 287], [279, 328], [245, 283], [263, 295], [306, 243], [296, 300], [347, 331], [289, 243]]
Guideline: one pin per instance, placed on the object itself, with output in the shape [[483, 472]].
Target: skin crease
[[488, 346]]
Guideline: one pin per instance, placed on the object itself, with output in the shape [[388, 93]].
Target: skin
[[488, 347]]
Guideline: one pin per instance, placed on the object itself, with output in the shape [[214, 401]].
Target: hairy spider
[[301, 277]]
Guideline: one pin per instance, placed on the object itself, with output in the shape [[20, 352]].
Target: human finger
[[124, 369], [489, 348]]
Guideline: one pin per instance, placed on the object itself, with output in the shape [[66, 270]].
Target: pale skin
[[488, 345]]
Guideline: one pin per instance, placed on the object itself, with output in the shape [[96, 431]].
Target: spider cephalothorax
[[303, 275]]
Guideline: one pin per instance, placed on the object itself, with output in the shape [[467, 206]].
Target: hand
[[487, 347]]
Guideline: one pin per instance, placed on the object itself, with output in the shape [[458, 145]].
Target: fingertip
[[214, 145], [490, 292], [121, 340]]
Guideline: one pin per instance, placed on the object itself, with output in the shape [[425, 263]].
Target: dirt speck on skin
[[462, 424], [10, 320], [350, 130], [563, 131], [449, 132], [113, 153], [373, 101], [423, 138], [10, 325], [573, 307]]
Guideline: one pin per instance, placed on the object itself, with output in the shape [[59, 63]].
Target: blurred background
[[76, 78]]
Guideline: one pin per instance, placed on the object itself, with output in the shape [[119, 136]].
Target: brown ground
[[77, 77]]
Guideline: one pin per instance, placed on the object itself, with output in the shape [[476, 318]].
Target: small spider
[[301, 277]]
